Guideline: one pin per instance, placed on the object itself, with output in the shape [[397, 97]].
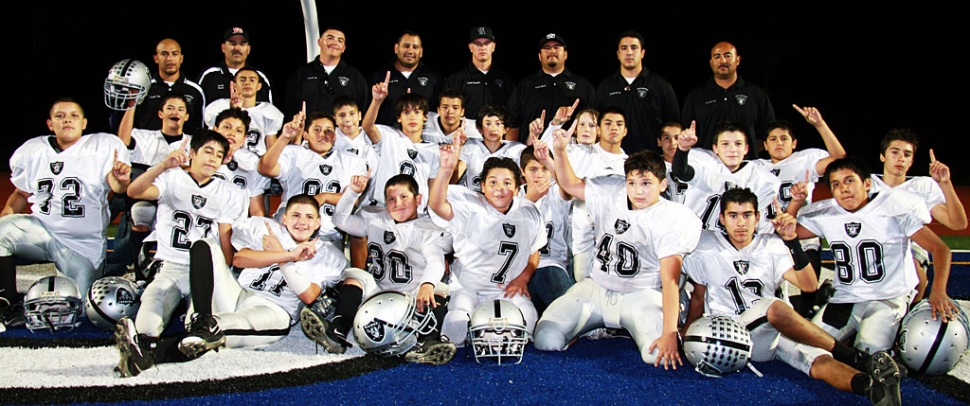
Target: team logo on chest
[[325, 169], [198, 201], [509, 230], [124, 297], [375, 330], [57, 167], [343, 80], [412, 153], [389, 237], [853, 229], [775, 171], [621, 226], [232, 165], [642, 92], [570, 85], [423, 81], [741, 266], [499, 83], [741, 99], [188, 97]]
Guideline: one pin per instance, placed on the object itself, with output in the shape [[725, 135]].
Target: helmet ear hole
[[128, 81], [497, 329], [717, 345], [932, 347], [53, 303]]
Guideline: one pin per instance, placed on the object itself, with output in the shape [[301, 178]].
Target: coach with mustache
[[214, 80]]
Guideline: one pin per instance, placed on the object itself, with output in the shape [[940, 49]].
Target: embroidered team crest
[[232, 165], [621, 226], [853, 229], [375, 330], [57, 167], [730, 185], [325, 169], [198, 201], [343, 80], [389, 237], [423, 81], [412, 153], [124, 297], [500, 83], [352, 151], [775, 171], [509, 230], [571, 85], [642, 92], [741, 98], [741, 266], [188, 98]]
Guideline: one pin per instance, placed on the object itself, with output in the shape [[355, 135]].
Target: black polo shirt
[[709, 104], [541, 91], [311, 84], [481, 89], [146, 114], [648, 102], [215, 80], [422, 80]]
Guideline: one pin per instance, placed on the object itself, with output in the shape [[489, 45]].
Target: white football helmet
[[53, 303], [388, 324], [932, 347], [498, 330], [110, 299], [717, 346], [127, 80]]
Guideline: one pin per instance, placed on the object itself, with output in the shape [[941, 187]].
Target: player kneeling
[[284, 267], [735, 275]]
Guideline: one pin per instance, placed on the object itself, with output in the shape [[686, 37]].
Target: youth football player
[[474, 152], [266, 118]]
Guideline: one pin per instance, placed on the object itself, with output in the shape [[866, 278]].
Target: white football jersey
[[921, 186], [676, 189], [264, 119], [305, 171], [398, 154], [873, 259], [555, 212], [188, 212], [703, 194], [403, 255], [324, 269], [474, 153], [241, 171], [150, 148], [361, 146], [630, 243], [491, 248], [435, 134], [591, 161], [737, 279], [791, 170], [70, 188]]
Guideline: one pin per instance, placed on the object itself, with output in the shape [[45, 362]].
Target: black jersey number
[[784, 198], [260, 282], [180, 233], [508, 250], [545, 248], [712, 209], [395, 261], [735, 284], [627, 262], [332, 187], [69, 200], [408, 168], [869, 252]]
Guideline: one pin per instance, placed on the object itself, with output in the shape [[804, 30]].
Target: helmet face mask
[[128, 80], [717, 346], [389, 324], [110, 299], [932, 347], [498, 330], [53, 303]]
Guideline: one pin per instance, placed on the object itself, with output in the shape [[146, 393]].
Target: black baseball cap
[[551, 37], [481, 32], [235, 31]]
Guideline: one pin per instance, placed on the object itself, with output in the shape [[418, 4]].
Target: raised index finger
[[387, 78], [572, 128], [575, 104], [932, 155], [693, 126], [802, 112], [185, 142], [269, 230], [542, 117]]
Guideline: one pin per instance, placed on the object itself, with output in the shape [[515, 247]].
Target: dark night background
[[867, 71]]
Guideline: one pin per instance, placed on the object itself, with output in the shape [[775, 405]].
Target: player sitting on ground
[[497, 237], [736, 273], [406, 253], [65, 178], [639, 253], [870, 238], [285, 267]]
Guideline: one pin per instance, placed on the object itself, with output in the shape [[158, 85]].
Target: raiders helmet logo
[[500, 83], [509, 230], [343, 80], [124, 297], [375, 330], [621, 226], [741, 266], [742, 99], [775, 171], [423, 81], [325, 169], [232, 165], [389, 237], [642, 92], [853, 229], [412, 153], [570, 85], [198, 201], [57, 167]]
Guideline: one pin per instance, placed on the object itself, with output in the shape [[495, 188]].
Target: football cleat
[[884, 388], [11, 314], [204, 335], [323, 331], [136, 356], [433, 352]]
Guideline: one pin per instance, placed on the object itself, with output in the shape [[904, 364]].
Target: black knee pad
[[837, 314]]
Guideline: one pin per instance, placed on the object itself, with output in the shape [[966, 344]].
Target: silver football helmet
[[110, 299], [717, 346], [389, 323], [498, 330], [932, 347], [53, 303], [127, 80]]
